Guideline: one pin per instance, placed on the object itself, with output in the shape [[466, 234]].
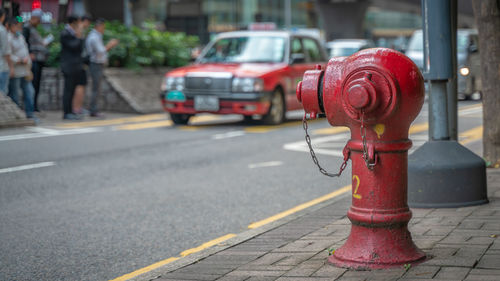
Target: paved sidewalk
[[464, 244]]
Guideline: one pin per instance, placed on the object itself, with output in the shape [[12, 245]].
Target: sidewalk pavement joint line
[[146, 125], [172, 259], [27, 167], [300, 207], [115, 121], [472, 135], [265, 164]]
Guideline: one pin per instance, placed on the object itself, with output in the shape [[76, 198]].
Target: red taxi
[[252, 73]]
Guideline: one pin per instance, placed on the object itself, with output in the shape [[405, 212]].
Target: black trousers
[[36, 68], [70, 81]]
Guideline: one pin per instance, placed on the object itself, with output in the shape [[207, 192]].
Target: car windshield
[[343, 51], [246, 49]]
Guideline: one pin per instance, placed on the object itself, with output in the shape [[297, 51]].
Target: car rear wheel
[[276, 114], [180, 119]]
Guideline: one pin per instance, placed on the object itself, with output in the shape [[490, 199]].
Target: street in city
[[96, 200]]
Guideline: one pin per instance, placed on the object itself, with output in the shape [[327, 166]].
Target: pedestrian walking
[[22, 76], [71, 63], [6, 69], [38, 50], [79, 96], [98, 53]]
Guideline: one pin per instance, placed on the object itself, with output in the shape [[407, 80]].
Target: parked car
[[347, 47], [468, 61], [252, 73]]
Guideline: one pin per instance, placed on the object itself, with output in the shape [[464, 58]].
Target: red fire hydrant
[[377, 93]]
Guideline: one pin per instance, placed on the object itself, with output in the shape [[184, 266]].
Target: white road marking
[[302, 145], [265, 164], [43, 132], [469, 111], [228, 135], [27, 167]]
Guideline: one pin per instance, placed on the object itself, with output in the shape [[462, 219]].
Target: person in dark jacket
[[71, 63]]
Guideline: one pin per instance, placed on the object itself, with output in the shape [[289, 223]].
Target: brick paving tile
[[260, 278], [470, 224], [249, 273], [307, 245], [282, 268], [420, 213], [303, 279], [422, 272], [330, 271], [452, 273], [491, 226], [206, 269], [489, 262], [191, 276], [453, 261], [305, 269], [231, 278]]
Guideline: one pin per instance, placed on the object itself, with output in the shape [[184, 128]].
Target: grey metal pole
[[438, 118], [288, 14], [452, 84], [127, 15], [442, 173]]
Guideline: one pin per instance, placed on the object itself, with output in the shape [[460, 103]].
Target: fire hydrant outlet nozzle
[[377, 93]]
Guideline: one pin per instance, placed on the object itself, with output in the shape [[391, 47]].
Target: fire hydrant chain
[[366, 156], [346, 153]]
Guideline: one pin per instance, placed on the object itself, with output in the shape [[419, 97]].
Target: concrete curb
[[240, 238], [17, 123]]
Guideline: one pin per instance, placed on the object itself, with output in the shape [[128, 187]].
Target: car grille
[[208, 84]]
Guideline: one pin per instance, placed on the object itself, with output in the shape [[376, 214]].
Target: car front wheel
[[276, 114], [180, 119]]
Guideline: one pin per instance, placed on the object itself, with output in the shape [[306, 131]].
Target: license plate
[[206, 103]]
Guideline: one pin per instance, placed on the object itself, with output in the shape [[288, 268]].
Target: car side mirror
[[297, 58], [473, 49]]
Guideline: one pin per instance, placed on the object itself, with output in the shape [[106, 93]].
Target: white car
[[347, 47]]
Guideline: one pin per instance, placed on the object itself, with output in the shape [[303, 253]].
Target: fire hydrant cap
[[358, 96]]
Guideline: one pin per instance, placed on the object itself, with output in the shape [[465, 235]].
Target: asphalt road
[[102, 200]]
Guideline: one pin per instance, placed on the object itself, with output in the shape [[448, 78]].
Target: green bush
[[138, 46]]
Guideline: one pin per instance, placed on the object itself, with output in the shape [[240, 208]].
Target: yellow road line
[[470, 106], [172, 259], [330, 130], [144, 270], [300, 207], [207, 244], [417, 128], [471, 135], [203, 118], [138, 126], [116, 121]]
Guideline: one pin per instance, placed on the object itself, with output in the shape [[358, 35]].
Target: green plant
[[138, 47], [407, 266], [331, 251]]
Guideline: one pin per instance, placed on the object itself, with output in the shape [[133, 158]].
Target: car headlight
[[247, 84], [464, 71], [173, 83]]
